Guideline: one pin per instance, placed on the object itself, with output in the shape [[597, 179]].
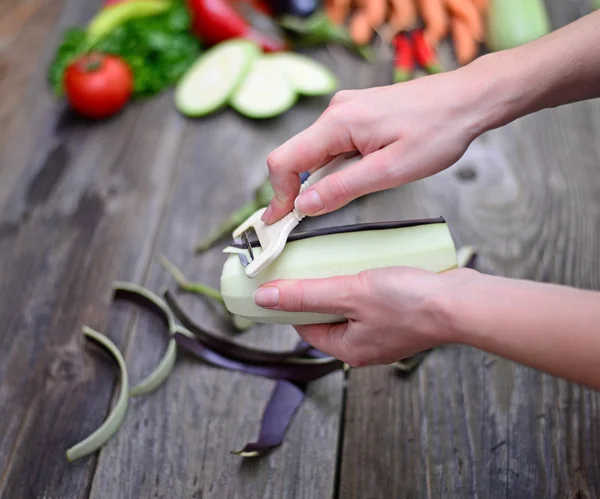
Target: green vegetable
[[318, 30], [307, 76], [422, 244], [159, 49], [262, 198], [239, 323], [511, 23], [265, 92], [164, 368], [215, 76], [110, 426], [114, 15], [409, 364]]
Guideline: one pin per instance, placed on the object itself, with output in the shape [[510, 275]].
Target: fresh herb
[[159, 49]]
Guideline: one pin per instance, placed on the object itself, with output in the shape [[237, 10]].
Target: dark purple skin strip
[[230, 349], [281, 408], [472, 263], [344, 229], [291, 372]]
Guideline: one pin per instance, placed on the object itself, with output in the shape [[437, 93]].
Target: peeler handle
[[337, 164]]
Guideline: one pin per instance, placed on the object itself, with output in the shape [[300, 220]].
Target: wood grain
[[91, 203], [82, 204], [468, 424]]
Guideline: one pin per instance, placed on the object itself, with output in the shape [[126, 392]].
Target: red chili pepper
[[404, 62], [425, 54], [215, 21]]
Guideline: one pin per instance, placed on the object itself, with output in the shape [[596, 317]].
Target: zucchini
[[427, 245], [214, 77], [511, 23], [265, 91], [305, 75]]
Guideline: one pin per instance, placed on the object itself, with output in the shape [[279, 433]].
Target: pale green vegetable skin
[[511, 23], [428, 247], [110, 426], [464, 254], [265, 91], [305, 75], [164, 368], [212, 80]]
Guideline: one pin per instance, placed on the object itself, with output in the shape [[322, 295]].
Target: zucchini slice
[[214, 77], [265, 91], [307, 76], [427, 246]]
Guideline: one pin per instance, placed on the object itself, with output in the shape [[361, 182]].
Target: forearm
[[552, 328], [560, 68]]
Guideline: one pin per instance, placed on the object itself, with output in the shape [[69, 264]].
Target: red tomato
[[98, 85]]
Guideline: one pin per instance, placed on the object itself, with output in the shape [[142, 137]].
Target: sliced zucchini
[[265, 91], [214, 77], [306, 75]]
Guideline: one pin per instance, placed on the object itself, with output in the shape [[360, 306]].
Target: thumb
[[338, 189]]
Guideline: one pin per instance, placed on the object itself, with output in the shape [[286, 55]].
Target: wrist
[[451, 307], [498, 89]]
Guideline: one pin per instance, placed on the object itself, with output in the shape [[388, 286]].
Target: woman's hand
[[396, 312], [411, 130], [392, 312], [404, 132]]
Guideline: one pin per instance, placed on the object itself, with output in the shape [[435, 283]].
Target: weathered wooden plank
[[468, 424], [81, 209], [72, 194], [182, 448]]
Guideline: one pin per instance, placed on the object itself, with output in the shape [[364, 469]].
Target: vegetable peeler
[[272, 238]]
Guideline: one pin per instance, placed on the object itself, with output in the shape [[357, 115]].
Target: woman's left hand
[[392, 313]]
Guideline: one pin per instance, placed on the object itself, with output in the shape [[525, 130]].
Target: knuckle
[[293, 297], [362, 282], [332, 115], [273, 163], [339, 97], [338, 190]]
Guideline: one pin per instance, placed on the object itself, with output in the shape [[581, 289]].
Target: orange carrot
[[466, 10], [465, 45], [338, 10], [404, 14], [359, 27], [436, 19], [377, 11]]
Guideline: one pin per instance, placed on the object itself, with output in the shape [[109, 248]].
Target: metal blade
[[243, 248]]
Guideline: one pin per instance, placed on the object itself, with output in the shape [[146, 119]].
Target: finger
[[333, 295], [307, 151], [370, 174], [328, 338]]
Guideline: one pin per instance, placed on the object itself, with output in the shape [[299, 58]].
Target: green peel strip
[[239, 323], [112, 423], [164, 368]]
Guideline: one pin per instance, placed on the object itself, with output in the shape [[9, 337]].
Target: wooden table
[[84, 204]]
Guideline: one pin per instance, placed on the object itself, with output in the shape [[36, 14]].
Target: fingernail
[[267, 297], [267, 214], [309, 202]]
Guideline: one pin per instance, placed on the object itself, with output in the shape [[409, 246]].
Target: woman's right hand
[[404, 132]]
